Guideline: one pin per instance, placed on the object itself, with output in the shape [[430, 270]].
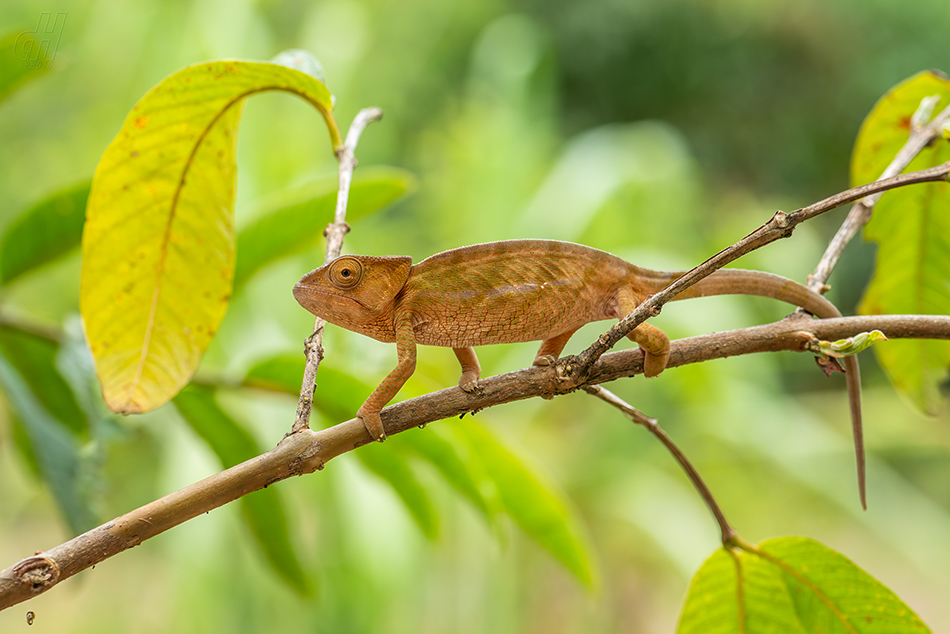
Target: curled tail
[[743, 282]]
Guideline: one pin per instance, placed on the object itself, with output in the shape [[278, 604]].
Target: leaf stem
[[740, 590]]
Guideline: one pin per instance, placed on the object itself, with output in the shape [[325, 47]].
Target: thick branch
[[334, 234], [307, 451]]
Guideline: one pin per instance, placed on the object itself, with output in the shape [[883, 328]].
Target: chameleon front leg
[[385, 391], [653, 341], [470, 368]]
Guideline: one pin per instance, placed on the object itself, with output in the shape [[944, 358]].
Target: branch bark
[[307, 451]]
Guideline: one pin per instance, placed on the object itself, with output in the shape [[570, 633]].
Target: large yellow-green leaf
[[911, 226], [791, 585], [158, 245]]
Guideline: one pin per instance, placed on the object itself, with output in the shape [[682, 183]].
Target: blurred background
[[660, 131]]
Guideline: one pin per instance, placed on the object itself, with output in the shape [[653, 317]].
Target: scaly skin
[[517, 290]]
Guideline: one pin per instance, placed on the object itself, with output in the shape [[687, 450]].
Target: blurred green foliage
[[659, 131]]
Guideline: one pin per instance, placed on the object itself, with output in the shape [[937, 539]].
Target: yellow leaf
[[158, 243]]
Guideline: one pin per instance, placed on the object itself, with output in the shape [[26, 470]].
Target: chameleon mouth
[[303, 292]]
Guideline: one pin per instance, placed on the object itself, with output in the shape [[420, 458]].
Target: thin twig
[[920, 137], [654, 428], [779, 226], [334, 233], [308, 450]]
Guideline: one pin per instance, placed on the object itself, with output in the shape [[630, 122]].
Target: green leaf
[[283, 373], [391, 465], [35, 360], [912, 228], [55, 448], [337, 398], [534, 502], [294, 221], [302, 60], [263, 510], [791, 585], [444, 456], [158, 245], [44, 232], [851, 345], [16, 65]]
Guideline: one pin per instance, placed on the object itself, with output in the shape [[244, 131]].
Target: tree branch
[[334, 234], [780, 226], [307, 451]]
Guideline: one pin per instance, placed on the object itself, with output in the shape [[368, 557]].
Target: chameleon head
[[353, 289]]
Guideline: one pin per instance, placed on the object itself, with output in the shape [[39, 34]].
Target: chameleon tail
[[853, 380], [742, 282]]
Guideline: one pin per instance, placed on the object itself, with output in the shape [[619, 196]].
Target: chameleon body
[[517, 290]]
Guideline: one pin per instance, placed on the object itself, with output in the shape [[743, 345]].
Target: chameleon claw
[[544, 360], [471, 387]]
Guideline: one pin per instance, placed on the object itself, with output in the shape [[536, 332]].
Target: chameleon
[[519, 290]]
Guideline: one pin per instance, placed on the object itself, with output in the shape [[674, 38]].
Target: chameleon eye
[[345, 272]]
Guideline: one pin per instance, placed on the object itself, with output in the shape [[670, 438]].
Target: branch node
[[780, 219], [343, 226], [39, 572]]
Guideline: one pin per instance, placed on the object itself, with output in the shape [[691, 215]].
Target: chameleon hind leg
[[653, 341], [471, 371], [551, 348]]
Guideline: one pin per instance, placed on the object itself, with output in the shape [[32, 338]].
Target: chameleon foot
[[373, 425], [471, 387], [544, 360], [469, 381]]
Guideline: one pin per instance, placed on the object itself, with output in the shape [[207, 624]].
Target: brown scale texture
[[504, 292]]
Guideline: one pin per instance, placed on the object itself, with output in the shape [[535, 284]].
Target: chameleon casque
[[518, 290]]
